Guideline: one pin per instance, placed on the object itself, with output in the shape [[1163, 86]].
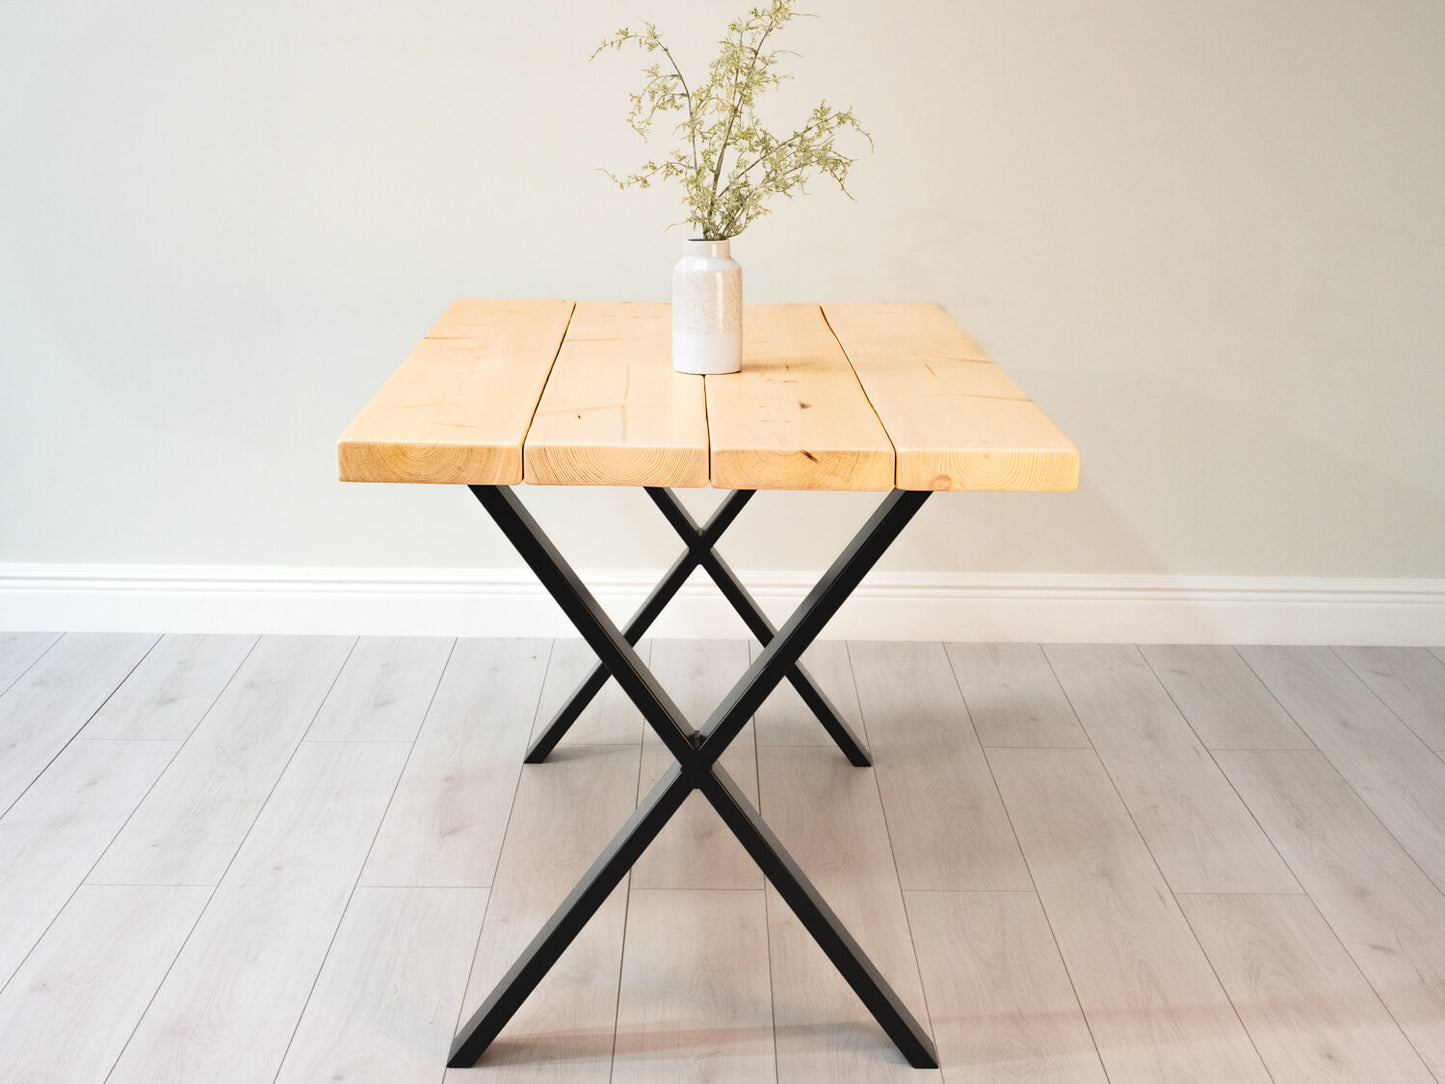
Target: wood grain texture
[[611, 719], [51, 837], [277, 909], [695, 1002], [18, 652], [1014, 698], [1383, 908], [956, 420], [1224, 701], [567, 809], [614, 413], [446, 823], [70, 1008], [384, 690], [1154, 1005], [50, 702], [192, 822], [384, 1004], [949, 828], [1002, 1004], [785, 720], [1410, 680], [829, 816], [796, 416], [171, 689], [1201, 834], [695, 849], [1383, 759], [460, 405], [1310, 1012]]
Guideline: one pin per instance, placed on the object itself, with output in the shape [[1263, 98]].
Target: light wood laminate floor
[[307, 858]]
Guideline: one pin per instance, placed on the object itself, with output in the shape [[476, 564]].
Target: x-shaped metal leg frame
[[696, 753], [701, 551]]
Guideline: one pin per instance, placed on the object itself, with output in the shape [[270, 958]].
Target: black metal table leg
[[701, 551], [696, 754], [700, 542], [759, 625]]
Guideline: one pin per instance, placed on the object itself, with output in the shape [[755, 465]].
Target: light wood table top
[[848, 396]]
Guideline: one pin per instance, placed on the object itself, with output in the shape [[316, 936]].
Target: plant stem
[[733, 108], [691, 129]]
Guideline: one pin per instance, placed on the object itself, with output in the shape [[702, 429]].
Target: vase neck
[[717, 250]]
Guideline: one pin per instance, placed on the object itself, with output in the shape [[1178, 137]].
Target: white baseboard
[[888, 606]]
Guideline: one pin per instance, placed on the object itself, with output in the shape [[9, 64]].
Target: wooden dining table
[[891, 398]]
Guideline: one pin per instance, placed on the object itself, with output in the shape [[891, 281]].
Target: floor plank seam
[[120, 1053], [893, 854], [82, 726], [622, 955], [1272, 695], [376, 832], [1008, 815], [226, 685], [211, 898], [1220, 769], [85, 879], [341, 918], [772, 979], [31, 665], [1373, 692], [1364, 800], [506, 829], [1155, 861]]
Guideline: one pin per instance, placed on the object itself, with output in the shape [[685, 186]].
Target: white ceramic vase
[[707, 309]]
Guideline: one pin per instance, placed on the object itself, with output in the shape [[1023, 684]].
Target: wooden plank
[[1002, 1004], [52, 836], [277, 909], [1224, 701], [1155, 1008], [614, 413], [695, 1002], [1384, 760], [384, 1004], [459, 407], [948, 825], [785, 720], [1197, 828], [1310, 1012], [383, 691], [568, 810], [70, 1008], [829, 816], [796, 416], [18, 652], [172, 688], [695, 849], [1014, 698], [188, 828], [50, 702], [611, 719], [446, 823], [956, 420], [1411, 680], [1375, 898]]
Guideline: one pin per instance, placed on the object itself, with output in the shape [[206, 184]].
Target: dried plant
[[728, 164]]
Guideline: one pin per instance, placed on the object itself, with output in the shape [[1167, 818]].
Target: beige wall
[[1208, 237]]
